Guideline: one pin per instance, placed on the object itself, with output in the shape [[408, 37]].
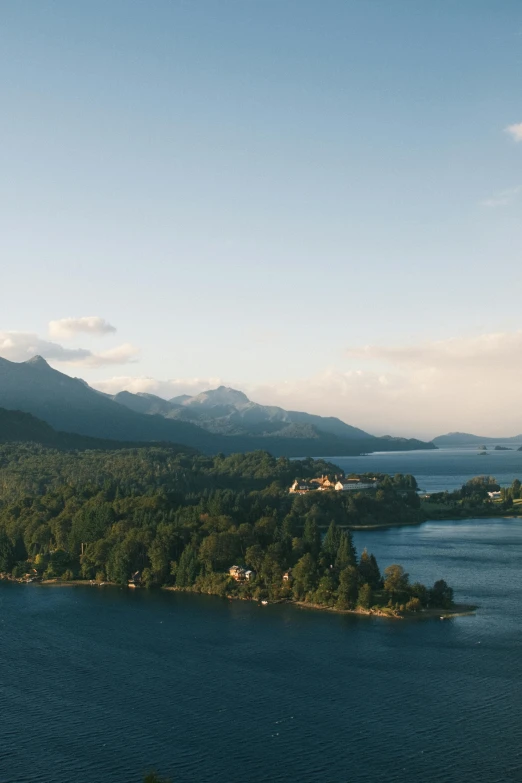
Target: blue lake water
[[102, 684], [439, 469]]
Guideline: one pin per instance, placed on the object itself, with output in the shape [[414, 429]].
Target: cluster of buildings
[[355, 484], [241, 574]]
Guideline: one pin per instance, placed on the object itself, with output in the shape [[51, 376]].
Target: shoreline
[[458, 610], [386, 525]]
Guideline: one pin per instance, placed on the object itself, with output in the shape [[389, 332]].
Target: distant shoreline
[[458, 610]]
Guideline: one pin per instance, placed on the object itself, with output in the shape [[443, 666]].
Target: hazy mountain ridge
[[468, 439], [229, 411], [220, 420], [20, 427]]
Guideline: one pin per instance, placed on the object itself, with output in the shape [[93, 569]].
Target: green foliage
[[369, 570], [7, 554], [304, 576], [162, 517], [311, 534], [330, 544], [346, 554], [396, 580], [365, 596], [441, 595], [348, 588]]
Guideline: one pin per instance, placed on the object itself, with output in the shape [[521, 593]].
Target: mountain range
[[218, 420], [20, 427], [456, 439]]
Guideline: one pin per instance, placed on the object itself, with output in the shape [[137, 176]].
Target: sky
[[318, 202]]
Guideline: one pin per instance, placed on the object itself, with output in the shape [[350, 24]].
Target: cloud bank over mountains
[[468, 383], [422, 389], [20, 346]]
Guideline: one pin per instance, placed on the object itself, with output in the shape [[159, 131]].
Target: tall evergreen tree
[[346, 554], [311, 537], [369, 570], [188, 567], [304, 576], [330, 544], [348, 588]]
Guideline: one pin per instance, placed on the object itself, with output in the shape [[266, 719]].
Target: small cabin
[[299, 487], [237, 572]]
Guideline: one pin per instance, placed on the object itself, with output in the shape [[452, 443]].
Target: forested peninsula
[[481, 496], [223, 525]]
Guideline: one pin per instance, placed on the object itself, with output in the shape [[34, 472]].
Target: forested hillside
[[184, 520]]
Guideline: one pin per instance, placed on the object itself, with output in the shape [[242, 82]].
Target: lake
[[102, 684], [439, 469]]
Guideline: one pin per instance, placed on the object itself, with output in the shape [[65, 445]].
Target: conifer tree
[[348, 588], [311, 537], [369, 570], [346, 554], [330, 544]]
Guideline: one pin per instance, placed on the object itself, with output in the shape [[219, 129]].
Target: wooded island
[[219, 525]]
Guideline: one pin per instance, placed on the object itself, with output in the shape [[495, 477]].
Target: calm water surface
[[101, 684], [440, 469]]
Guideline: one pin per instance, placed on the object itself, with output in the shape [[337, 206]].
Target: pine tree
[[346, 554], [369, 570], [311, 537], [348, 588], [304, 576], [188, 567], [331, 544]]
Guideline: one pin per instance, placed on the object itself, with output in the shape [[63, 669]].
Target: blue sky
[[318, 202]]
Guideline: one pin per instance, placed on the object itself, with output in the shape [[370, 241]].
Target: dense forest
[[155, 517]]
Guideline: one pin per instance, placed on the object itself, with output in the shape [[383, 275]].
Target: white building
[[354, 486]]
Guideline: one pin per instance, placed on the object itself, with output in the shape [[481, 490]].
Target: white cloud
[[20, 346], [503, 198], [465, 383], [166, 389], [484, 351], [515, 131], [68, 327], [122, 354]]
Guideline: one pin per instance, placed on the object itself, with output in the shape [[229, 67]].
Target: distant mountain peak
[[38, 361], [180, 399], [223, 395]]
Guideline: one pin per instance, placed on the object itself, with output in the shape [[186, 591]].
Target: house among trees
[[241, 574], [312, 485], [299, 487], [323, 482], [287, 575]]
